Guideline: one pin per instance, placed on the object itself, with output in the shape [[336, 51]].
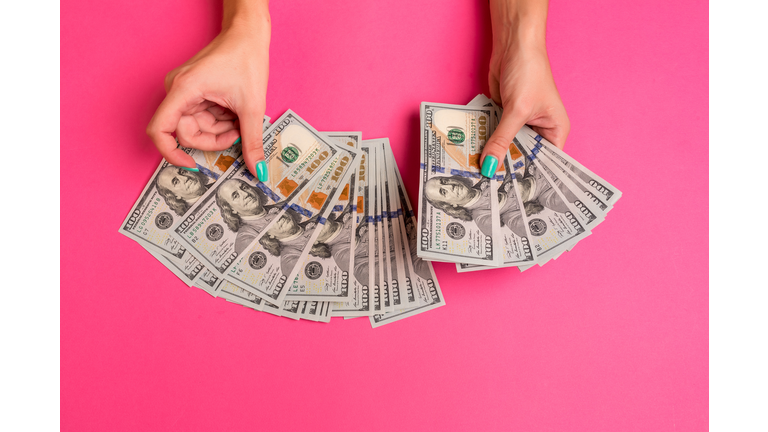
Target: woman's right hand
[[219, 95]]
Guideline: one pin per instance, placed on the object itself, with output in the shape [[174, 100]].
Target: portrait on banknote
[[462, 199], [181, 188], [334, 239], [287, 238], [245, 211]]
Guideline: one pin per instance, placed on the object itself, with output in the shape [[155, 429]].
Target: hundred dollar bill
[[515, 234], [288, 309], [269, 267], [333, 251], [170, 192], [379, 299], [589, 213], [396, 212], [315, 311], [170, 265], [238, 209], [457, 218], [363, 249], [601, 188], [393, 239], [552, 220], [422, 274], [234, 294]]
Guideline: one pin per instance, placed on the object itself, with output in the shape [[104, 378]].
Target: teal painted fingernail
[[237, 141], [191, 169], [489, 166], [261, 171]]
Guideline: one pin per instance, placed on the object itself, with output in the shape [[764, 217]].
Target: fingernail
[[237, 141], [261, 171], [191, 169], [489, 166]]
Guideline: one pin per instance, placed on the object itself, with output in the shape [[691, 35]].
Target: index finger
[[165, 122]]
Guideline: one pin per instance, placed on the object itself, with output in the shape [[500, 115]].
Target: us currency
[[333, 252], [238, 209], [422, 275], [288, 309], [170, 192], [380, 300], [457, 218], [269, 267], [606, 192], [362, 277], [407, 295], [315, 311], [515, 233], [170, 265], [393, 239], [234, 294], [551, 219]]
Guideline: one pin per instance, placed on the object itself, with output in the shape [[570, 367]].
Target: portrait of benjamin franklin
[[287, 238], [459, 198], [334, 239], [181, 188], [245, 211]]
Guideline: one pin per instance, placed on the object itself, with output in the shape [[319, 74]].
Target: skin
[[520, 77], [183, 184], [445, 189], [220, 93], [239, 195]]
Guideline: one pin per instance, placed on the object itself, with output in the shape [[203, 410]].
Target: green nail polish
[[191, 169], [489, 166], [261, 171], [237, 141]]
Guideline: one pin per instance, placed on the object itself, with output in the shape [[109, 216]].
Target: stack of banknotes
[[539, 203], [330, 233]]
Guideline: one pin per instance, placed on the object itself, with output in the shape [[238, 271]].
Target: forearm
[[249, 15], [519, 22]]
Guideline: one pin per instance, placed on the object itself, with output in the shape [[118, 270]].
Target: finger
[[251, 119], [208, 123], [497, 146], [222, 113], [554, 128], [493, 86], [191, 136], [164, 123]]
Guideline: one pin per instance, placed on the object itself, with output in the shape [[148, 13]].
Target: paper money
[[170, 192], [238, 209], [362, 273], [332, 252], [269, 267], [458, 220], [608, 193], [422, 275]]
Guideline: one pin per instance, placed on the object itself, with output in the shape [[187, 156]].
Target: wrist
[[247, 16], [519, 23]]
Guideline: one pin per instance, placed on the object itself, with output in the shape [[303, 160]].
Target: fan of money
[[331, 232], [539, 204]]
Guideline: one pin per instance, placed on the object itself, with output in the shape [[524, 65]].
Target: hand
[[219, 95], [520, 78]]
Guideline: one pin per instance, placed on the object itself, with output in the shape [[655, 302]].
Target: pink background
[[611, 337]]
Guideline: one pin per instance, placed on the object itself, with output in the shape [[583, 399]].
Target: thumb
[[497, 146], [251, 119]]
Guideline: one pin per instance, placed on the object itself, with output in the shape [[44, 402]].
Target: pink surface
[[610, 337]]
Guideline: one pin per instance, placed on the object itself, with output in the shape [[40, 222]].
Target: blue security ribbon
[[248, 175], [518, 165], [207, 172], [422, 165], [463, 173], [368, 219], [301, 210], [354, 209], [337, 208], [537, 138], [437, 169], [267, 191], [321, 220]]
